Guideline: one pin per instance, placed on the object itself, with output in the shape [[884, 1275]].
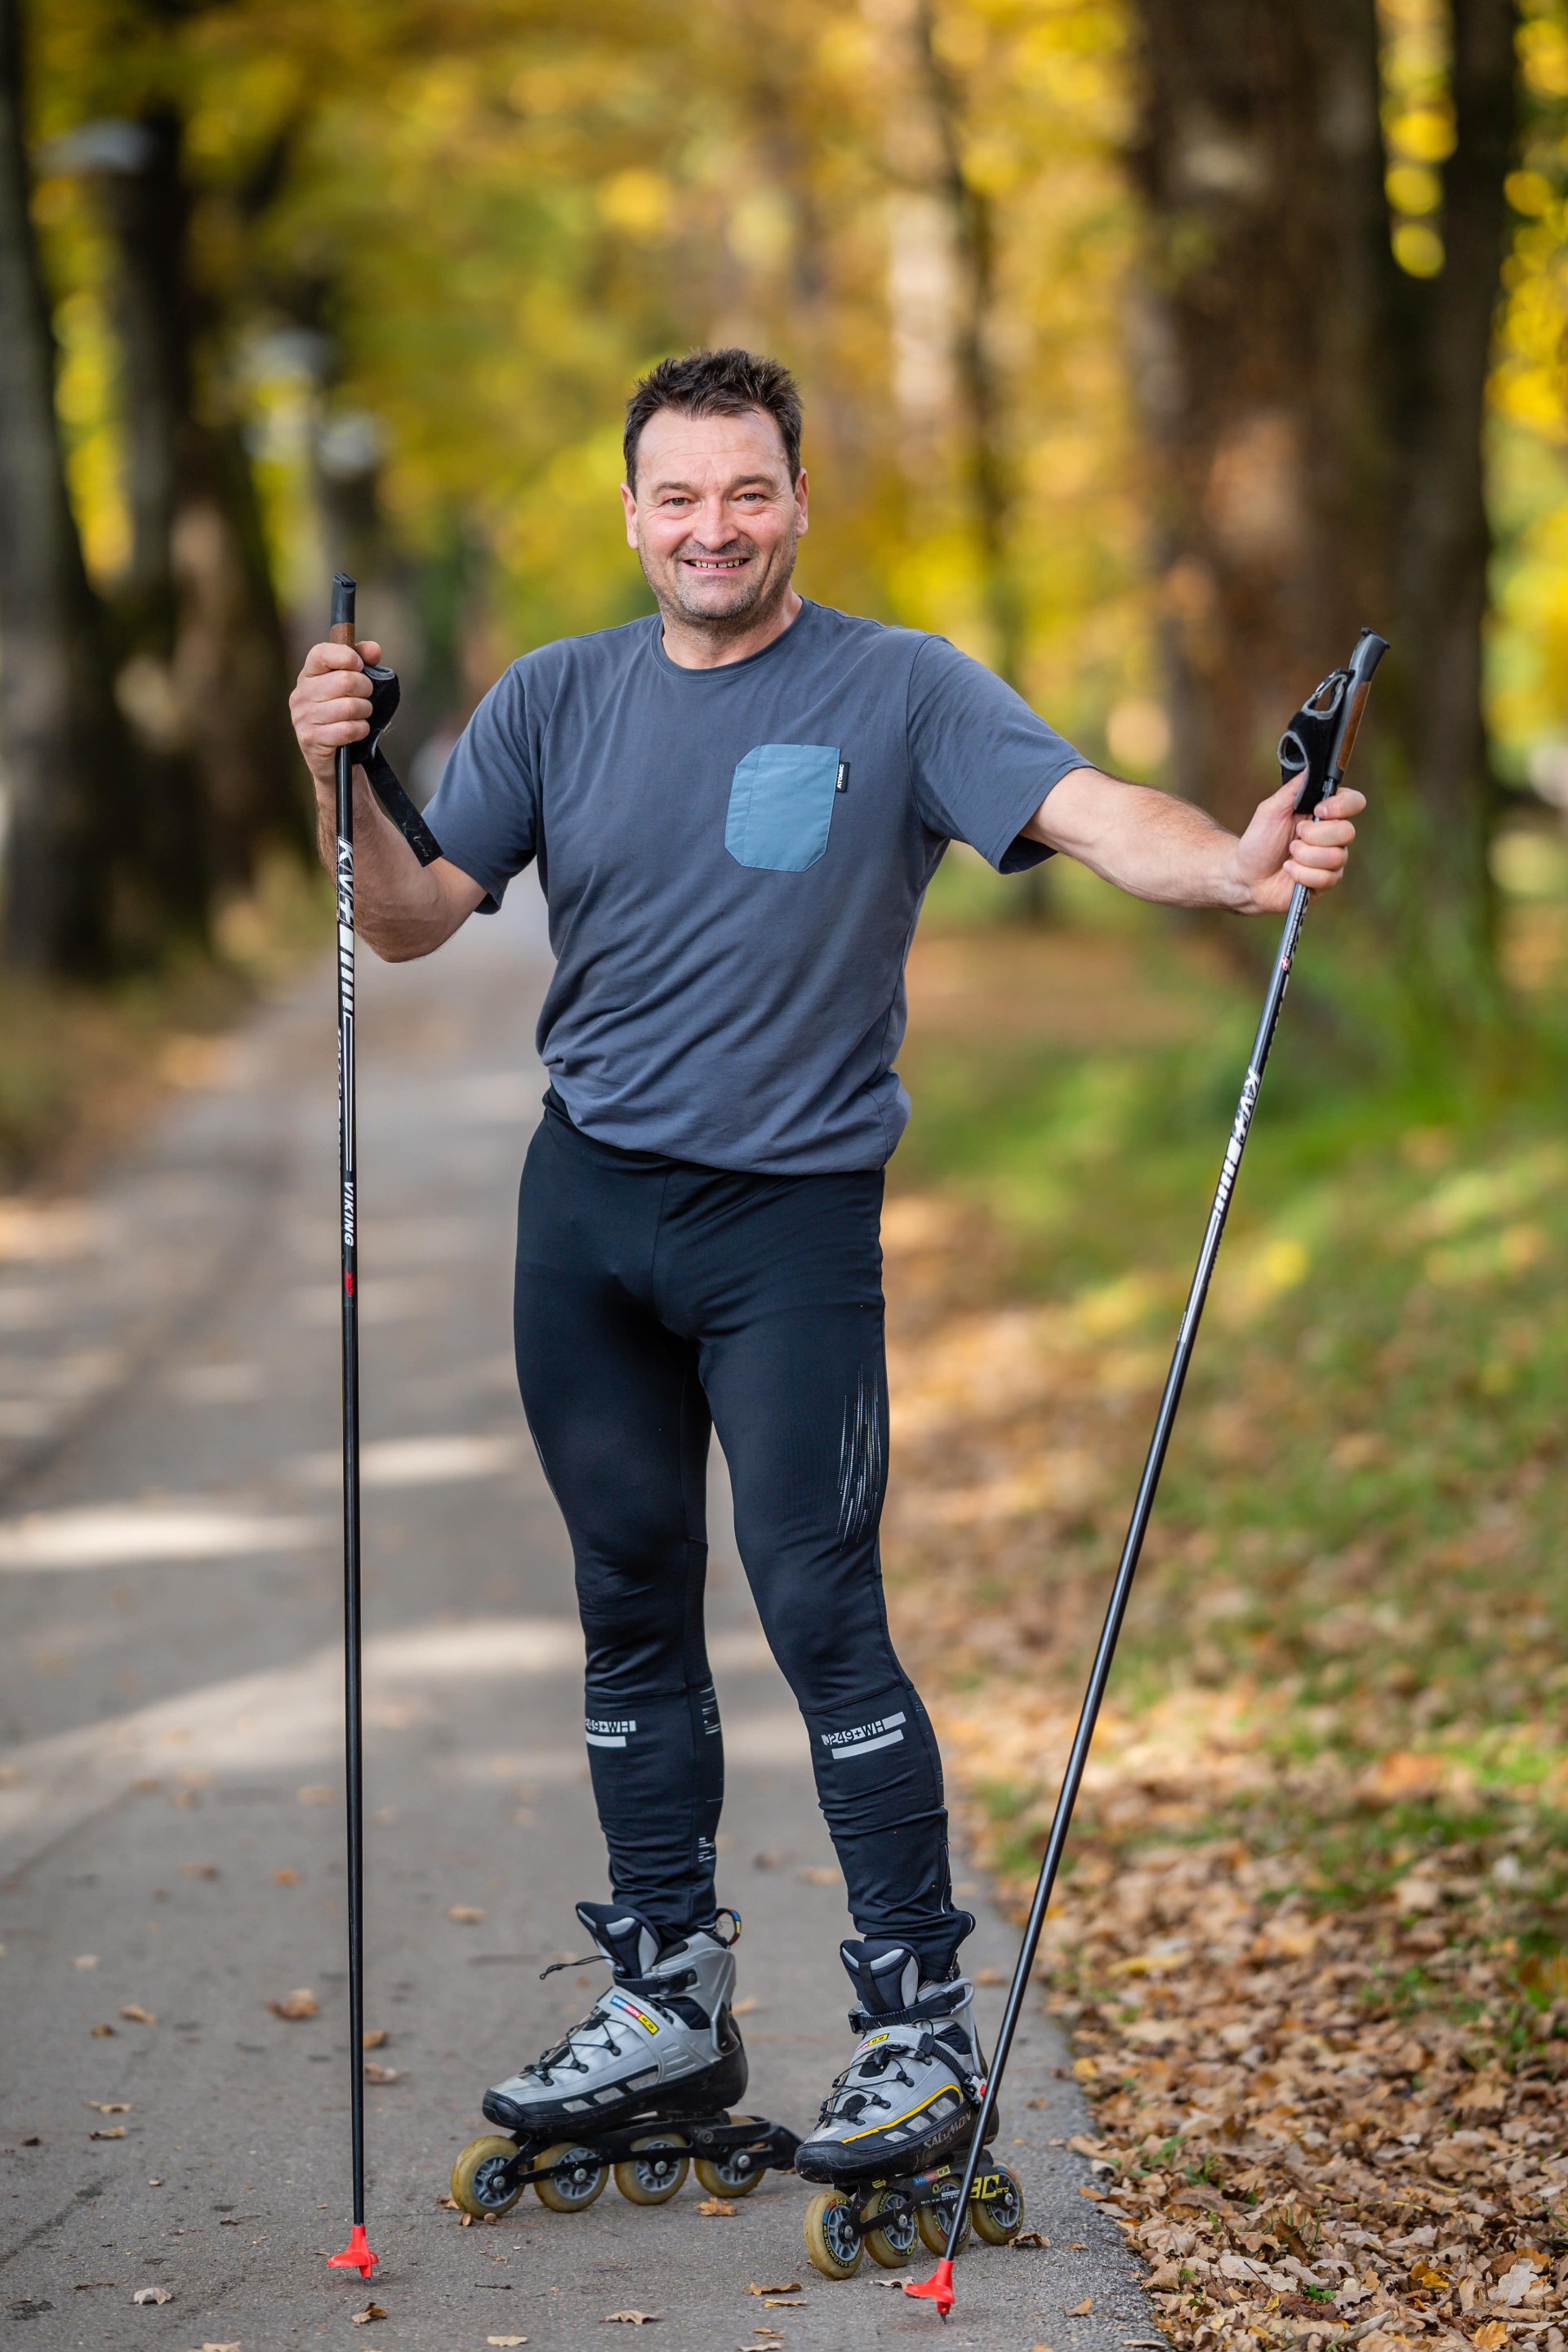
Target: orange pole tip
[[937, 2289], [356, 2256]]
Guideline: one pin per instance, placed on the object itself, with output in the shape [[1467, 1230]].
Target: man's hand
[[1279, 848], [1162, 848], [330, 705], [404, 909]]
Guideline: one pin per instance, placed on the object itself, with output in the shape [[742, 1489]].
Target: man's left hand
[[1279, 848]]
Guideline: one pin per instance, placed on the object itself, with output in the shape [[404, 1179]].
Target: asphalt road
[[169, 1823]]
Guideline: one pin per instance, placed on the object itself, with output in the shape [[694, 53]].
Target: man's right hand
[[330, 705]]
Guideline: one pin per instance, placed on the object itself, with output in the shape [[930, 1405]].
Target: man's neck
[[695, 644]]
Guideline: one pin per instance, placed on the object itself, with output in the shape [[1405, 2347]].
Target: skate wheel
[[478, 2183], [576, 2178], [729, 2176], [935, 2220], [832, 2234], [654, 2172], [996, 2206], [888, 2219]]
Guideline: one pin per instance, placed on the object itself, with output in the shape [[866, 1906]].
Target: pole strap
[[384, 784]]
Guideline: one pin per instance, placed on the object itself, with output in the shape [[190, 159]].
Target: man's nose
[[714, 525]]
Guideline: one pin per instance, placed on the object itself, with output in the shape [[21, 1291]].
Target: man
[[736, 806]]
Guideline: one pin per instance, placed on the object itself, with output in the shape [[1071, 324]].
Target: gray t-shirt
[[733, 860]]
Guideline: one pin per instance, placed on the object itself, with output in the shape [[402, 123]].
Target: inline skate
[[643, 2086], [894, 2128]]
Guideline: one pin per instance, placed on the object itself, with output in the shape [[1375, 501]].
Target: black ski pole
[[1315, 748], [356, 2256]]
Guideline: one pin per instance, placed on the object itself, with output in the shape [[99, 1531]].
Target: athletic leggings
[[657, 1301]]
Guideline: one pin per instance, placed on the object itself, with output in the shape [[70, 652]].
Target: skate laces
[[852, 2095], [564, 2058]]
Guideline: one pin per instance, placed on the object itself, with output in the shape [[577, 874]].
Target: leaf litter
[[296, 2006], [1312, 1955]]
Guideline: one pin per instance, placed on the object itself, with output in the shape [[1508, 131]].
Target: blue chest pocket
[[781, 806]]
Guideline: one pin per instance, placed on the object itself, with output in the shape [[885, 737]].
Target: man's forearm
[[402, 909], [1146, 842]]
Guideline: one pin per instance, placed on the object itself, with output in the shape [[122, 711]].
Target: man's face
[[714, 516]]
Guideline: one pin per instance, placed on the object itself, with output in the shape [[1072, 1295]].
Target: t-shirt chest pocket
[[781, 806]]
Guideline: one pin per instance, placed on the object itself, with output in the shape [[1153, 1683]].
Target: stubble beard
[[760, 601]]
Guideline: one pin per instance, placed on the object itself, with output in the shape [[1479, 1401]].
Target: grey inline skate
[[642, 2085], [895, 2126]]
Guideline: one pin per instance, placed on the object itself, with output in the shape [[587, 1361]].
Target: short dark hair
[[717, 384]]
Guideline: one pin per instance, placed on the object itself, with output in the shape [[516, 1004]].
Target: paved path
[[169, 1757]]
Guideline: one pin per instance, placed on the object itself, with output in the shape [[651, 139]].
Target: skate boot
[[659, 2048], [896, 2126]]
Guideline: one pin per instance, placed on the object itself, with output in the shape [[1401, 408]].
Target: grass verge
[[1312, 1942]]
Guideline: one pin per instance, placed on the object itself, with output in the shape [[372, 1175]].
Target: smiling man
[[736, 806]]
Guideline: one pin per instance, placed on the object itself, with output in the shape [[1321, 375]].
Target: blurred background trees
[[1150, 348]]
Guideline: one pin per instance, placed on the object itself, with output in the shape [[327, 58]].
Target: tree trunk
[[987, 459], [65, 756], [198, 602], [1318, 415]]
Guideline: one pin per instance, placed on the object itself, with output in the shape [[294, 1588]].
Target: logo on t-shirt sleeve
[[781, 806]]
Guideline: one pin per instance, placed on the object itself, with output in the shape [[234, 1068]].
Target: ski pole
[[1316, 747], [356, 2256]]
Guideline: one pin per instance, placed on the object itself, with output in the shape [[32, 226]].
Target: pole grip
[[341, 632]]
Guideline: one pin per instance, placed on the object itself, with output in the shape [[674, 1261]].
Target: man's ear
[[629, 504], [802, 498]]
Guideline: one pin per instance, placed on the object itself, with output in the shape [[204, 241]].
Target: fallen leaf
[[1490, 2337], [103, 2032], [374, 2073], [789, 2286], [296, 2005], [632, 2318], [200, 1870], [815, 1874], [210, 2346], [785, 2303], [745, 2007], [85, 1961], [448, 2203], [1030, 2238], [375, 2037], [508, 2343], [34, 2141], [113, 2131], [134, 2014], [710, 2205], [285, 1878], [465, 1915], [371, 2311], [153, 2295], [1081, 2310], [110, 2106]]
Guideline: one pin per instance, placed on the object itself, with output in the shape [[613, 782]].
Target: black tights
[[655, 1300]]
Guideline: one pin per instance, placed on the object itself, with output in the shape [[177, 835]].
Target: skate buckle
[[937, 2289], [356, 2256]]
